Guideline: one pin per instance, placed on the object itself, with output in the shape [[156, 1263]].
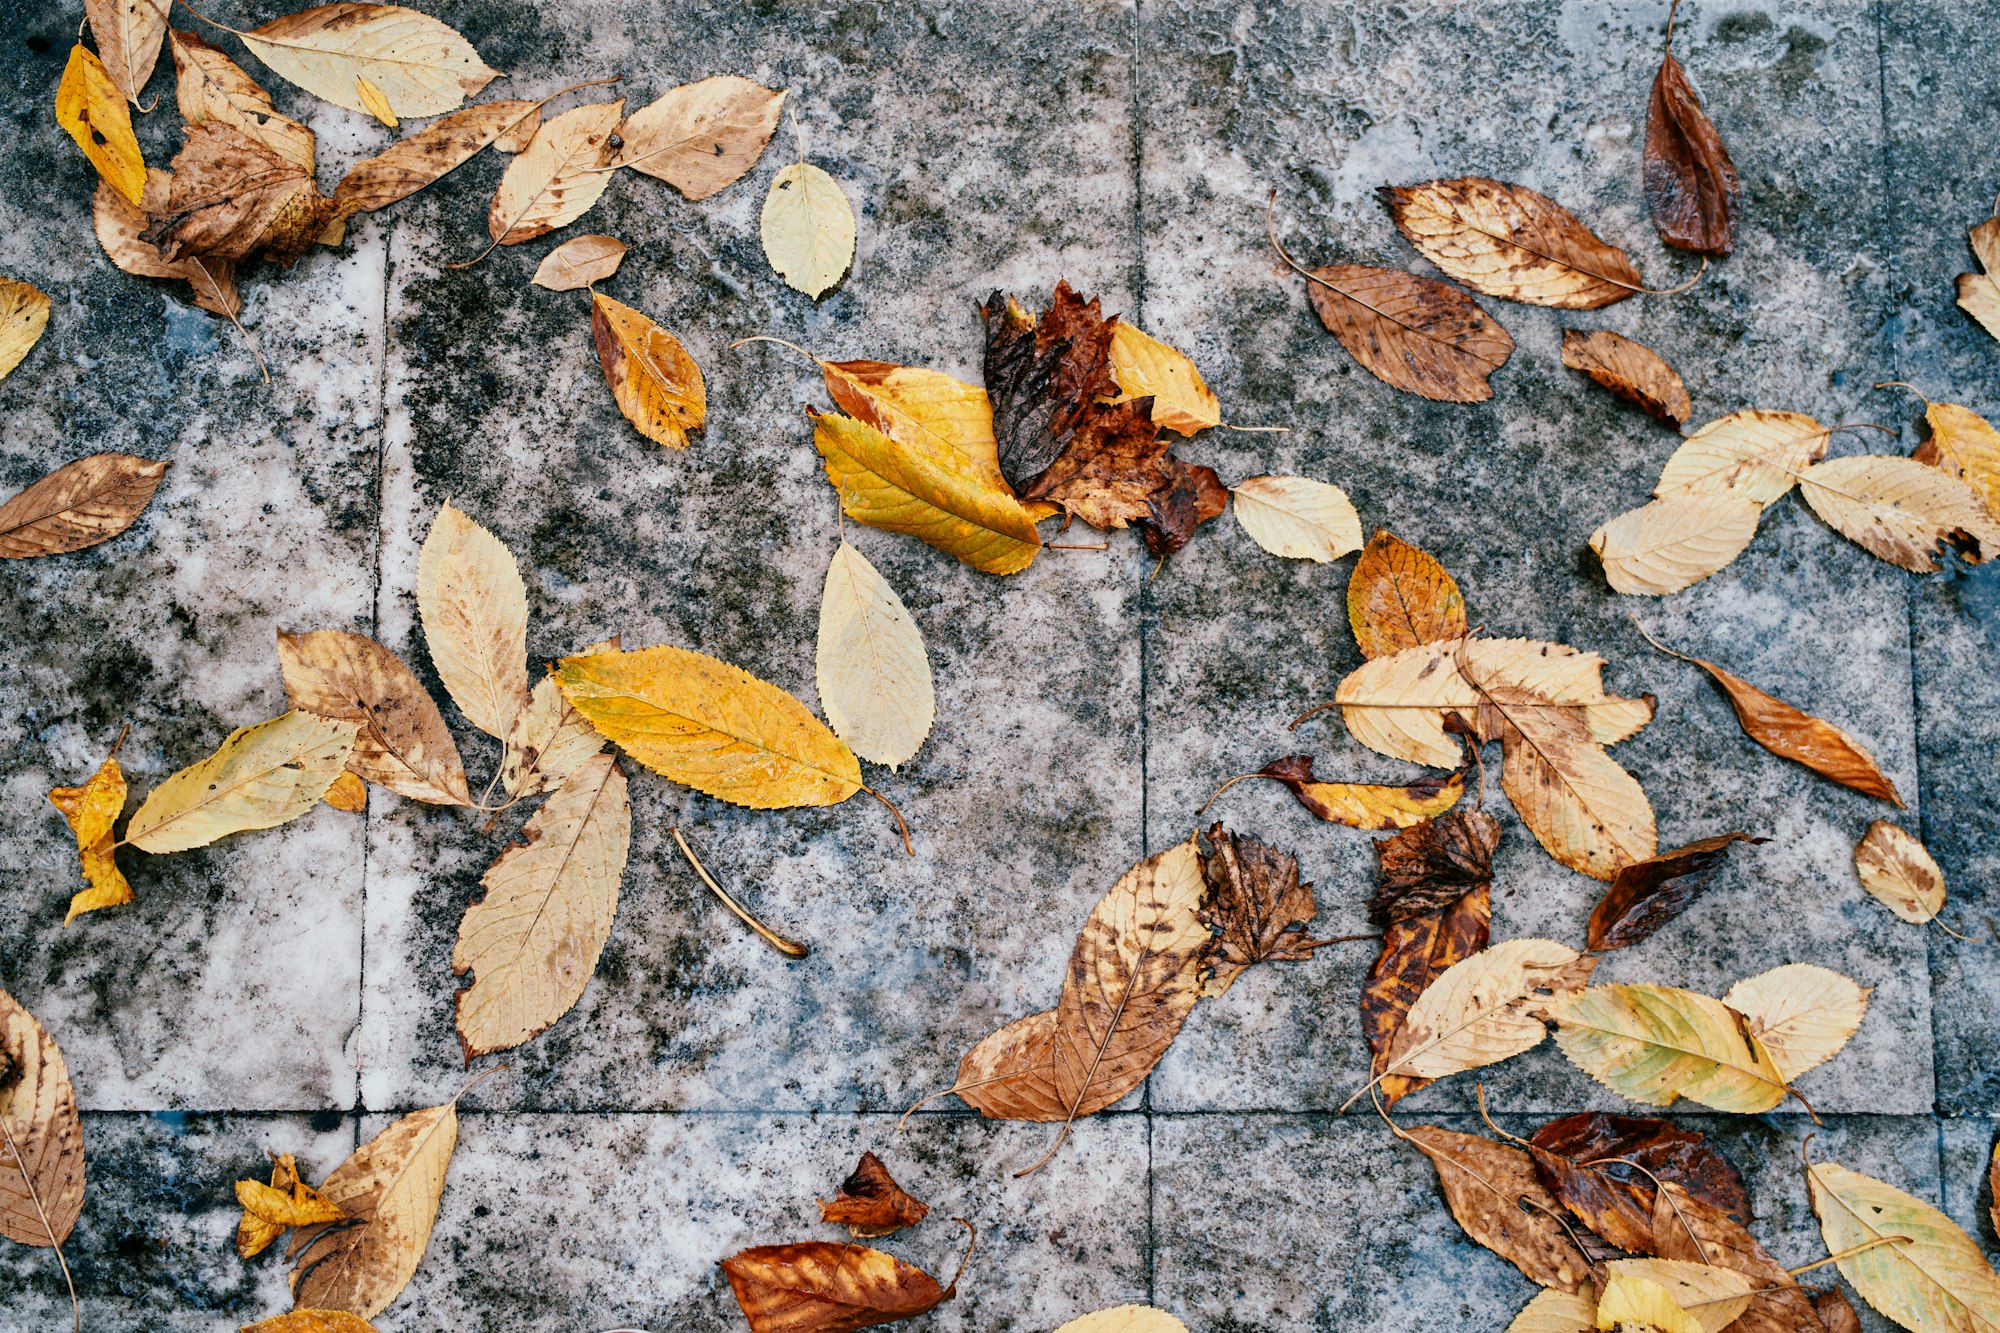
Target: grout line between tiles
[[374, 632]]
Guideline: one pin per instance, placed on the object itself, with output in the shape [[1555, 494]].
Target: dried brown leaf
[[1605, 1168], [128, 33], [209, 86], [701, 136], [1399, 596], [870, 1203], [1508, 241], [1691, 185], [1415, 952], [411, 163], [824, 1286], [41, 1151], [1191, 497], [1646, 895], [1494, 1193], [578, 262], [1044, 377], [1835, 1314], [1011, 1073], [1900, 872], [1694, 1230], [1900, 510], [79, 504], [403, 743], [233, 197], [1254, 905], [1632, 370], [118, 224], [1411, 332], [1429, 867]]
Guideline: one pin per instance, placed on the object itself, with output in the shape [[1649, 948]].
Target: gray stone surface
[[292, 990]]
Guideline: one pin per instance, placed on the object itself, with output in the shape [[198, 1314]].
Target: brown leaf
[[1411, 332], [411, 163], [209, 86], [1044, 377], [1415, 952], [1110, 469], [871, 1203], [701, 136], [1508, 241], [1493, 1192], [41, 1150], [1835, 1314], [1381, 807], [822, 1286], [1254, 905], [403, 743], [1430, 866], [128, 33], [1691, 184], [79, 504], [578, 262], [1632, 370], [118, 225], [1616, 1199], [311, 1321], [233, 196], [1011, 1073], [1399, 596], [1647, 894], [1192, 496], [1900, 872], [1694, 1230]]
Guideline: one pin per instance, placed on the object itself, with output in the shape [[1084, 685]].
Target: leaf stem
[[908, 850], [767, 338], [1852, 1249], [972, 1243], [789, 948]]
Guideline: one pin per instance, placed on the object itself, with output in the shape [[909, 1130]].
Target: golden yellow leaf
[[41, 1169], [374, 101], [947, 421], [79, 504], [90, 106], [1297, 518], [1934, 1279], [712, 726], [886, 484], [1964, 444], [533, 941], [1708, 1296], [24, 313], [210, 87], [578, 262], [403, 743], [1656, 1043], [1900, 872], [1554, 1311], [128, 33], [1125, 1319], [311, 1321], [701, 136], [550, 739], [1900, 510], [1979, 293], [270, 1210], [261, 777], [1485, 1008], [874, 679], [1639, 1305], [475, 613], [1674, 542], [1143, 365], [348, 794], [657, 384], [808, 229], [1803, 1014], [1754, 455], [1399, 596], [1507, 240], [555, 179], [90, 811], [419, 65]]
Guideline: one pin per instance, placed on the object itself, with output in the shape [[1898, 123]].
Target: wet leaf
[[1979, 293], [1694, 1230], [24, 313], [475, 617], [311, 1321], [1508, 241], [1192, 496], [1606, 1169], [870, 1202], [1654, 1044], [41, 1175], [1691, 185], [1399, 597], [1011, 1073], [420, 65], [90, 811], [1145, 367], [403, 743], [657, 384], [1835, 1313], [1486, 1008], [1899, 871], [1754, 455], [90, 105], [701, 137], [1125, 1319], [1492, 1190], [1112, 470], [1965, 445], [1433, 864], [1365, 805], [411, 163], [128, 34], [1901, 510], [1632, 370], [807, 228], [1253, 905], [873, 675], [210, 87], [1935, 1280], [271, 1210], [261, 777], [1411, 332], [555, 179], [1801, 1013], [233, 196], [1646, 895], [1416, 951], [118, 225], [1298, 518], [578, 262], [822, 1286], [1674, 542], [80, 504]]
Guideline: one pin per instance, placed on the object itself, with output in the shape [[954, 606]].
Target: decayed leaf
[[348, 793], [233, 196], [1297, 517], [1632, 370], [1011, 1073], [1145, 367], [1111, 470], [578, 262], [389, 1190], [712, 726], [410, 164], [1645, 895], [1634, 1303], [1934, 1280], [1979, 293], [128, 33], [1492, 1191], [118, 225], [24, 313], [1192, 496], [403, 743], [1835, 1313], [1801, 1013], [808, 229], [475, 615], [1365, 805], [1508, 241], [91, 106], [1674, 542], [209, 86], [1901, 510], [871, 1204], [79, 504], [311, 1321], [90, 811], [1900, 872], [1691, 185], [550, 740], [1399, 596], [555, 179], [420, 65], [885, 484], [1694, 1230], [1609, 1169], [1254, 906], [41, 1154], [1125, 1319], [1754, 454], [1656, 1043], [822, 1286], [271, 1210], [1432, 865], [1486, 1008], [1964, 444], [874, 679], [533, 940], [1416, 951], [947, 421], [261, 777], [657, 384], [701, 136], [1411, 332]]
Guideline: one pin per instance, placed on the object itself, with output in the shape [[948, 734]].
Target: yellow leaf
[[1555, 1311], [1753, 455], [1399, 596], [1143, 365], [556, 178], [1297, 518], [533, 941], [420, 65], [808, 229], [1397, 704], [374, 101], [550, 739], [209, 86], [1709, 1297], [1485, 1008], [1964, 444], [90, 811], [24, 313], [1803, 1014], [1900, 510], [874, 679], [578, 262], [1900, 872], [1617, 719], [403, 743], [701, 136], [885, 484], [1675, 541], [1125, 1319], [475, 613], [712, 726], [90, 106], [1979, 293], [1934, 1279], [311, 1321], [1656, 1043], [1637, 1305], [128, 33], [348, 794], [657, 384], [297, 1205], [261, 777], [947, 421]]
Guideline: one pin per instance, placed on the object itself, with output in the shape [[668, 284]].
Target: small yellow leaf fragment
[[374, 101], [1125, 1319], [1965, 444], [1298, 518], [348, 793], [24, 313], [90, 107], [1143, 365], [90, 811], [270, 1210], [657, 384], [1979, 293], [808, 229], [311, 1321], [1900, 872]]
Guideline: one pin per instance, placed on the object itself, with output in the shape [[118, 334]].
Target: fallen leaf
[[1710, 1297], [311, 1321], [1430, 866], [1254, 907], [271, 1210], [389, 1190], [1508, 241], [1411, 332], [1934, 1280], [261, 777], [532, 942], [1125, 1319], [1492, 1190], [475, 616], [1801, 1013], [1112, 469], [1901, 510], [90, 811], [1011, 1073], [24, 313], [555, 179], [889, 485], [348, 793], [80, 504], [117, 225], [1899, 872], [1608, 1169], [711, 726], [1691, 185], [1486, 1008], [128, 34], [1398, 704], [807, 228], [1298, 518], [41, 1154], [1416, 951], [550, 740], [1640, 1305], [517, 137], [874, 679], [871, 1204], [374, 101], [1400, 597], [403, 743], [1965, 445], [232, 196], [90, 105], [701, 136], [1674, 542], [578, 262], [1979, 293], [1192, 496], [823, 1286], [1754, 455], [1554, 1311], [411, 163], [1364, 805], [946, 420], [1145, 367], [1613, 719], [420, 65], [657, 384], [1656, 1043], [1632, 370], [1047, 377], [1835, 1313], [210, 87], [1694, 1230], [1646, 895]]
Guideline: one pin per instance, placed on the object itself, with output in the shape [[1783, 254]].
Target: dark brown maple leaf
[[1645, 895], [1193, 495], [1598, 1165], [1254, 905], [871, 1203], [1431, 865], [1110, 468], [1043, 376], [1415, 952]]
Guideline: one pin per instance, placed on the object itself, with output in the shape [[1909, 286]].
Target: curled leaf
[[1646, 895], [1609, 1169], [1632, 370], [311, 1321], [827, 1287], [211, 87], [1508, 241], [1900, 872], [1365, 805], [1430, 866], [1416, 951], [117, 225], [90, 811], [271, 1210], [1253, 905], [1691, 185], [870, 1202], [1192, 496]]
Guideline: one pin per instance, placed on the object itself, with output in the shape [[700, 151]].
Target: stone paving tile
[[1323, 105], [1965, 1152]]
